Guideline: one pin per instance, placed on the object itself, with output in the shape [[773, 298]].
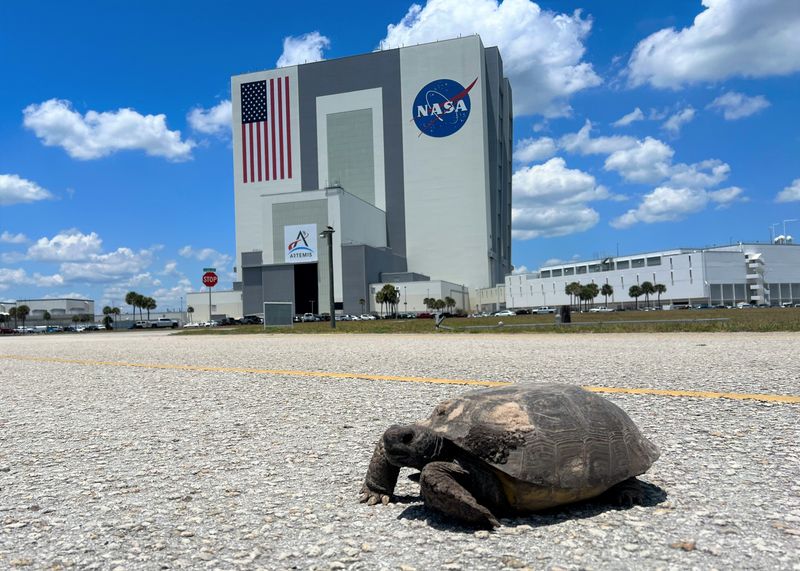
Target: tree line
[[581, 295], [142, 302]]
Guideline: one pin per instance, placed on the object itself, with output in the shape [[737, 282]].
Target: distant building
[[761, 274], [59, 309]]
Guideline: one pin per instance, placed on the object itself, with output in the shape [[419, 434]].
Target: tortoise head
[[412, 445]]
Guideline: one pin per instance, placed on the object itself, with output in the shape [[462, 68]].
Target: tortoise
[[516, 449]]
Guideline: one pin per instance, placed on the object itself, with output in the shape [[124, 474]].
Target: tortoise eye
[[407, 437]]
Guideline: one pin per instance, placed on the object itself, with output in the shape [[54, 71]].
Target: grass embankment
[[758, 320]]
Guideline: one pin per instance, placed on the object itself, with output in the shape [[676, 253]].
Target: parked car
[[545, 309], [367, 317], [252, 320], [194, 324], [310, 317], [504, 313]]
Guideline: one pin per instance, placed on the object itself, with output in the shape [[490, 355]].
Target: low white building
[[413, 293], [751, 273], [60, 309], [225, 303]]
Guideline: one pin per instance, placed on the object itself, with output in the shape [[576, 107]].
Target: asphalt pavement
[[145, 450]]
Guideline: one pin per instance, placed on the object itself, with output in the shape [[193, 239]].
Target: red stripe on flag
[[252, 166], [288, 128], [266, 150], [272, 127], [258, 149], [244, 157], [280, 121]]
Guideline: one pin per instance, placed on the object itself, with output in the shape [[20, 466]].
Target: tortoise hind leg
[[442, 486]]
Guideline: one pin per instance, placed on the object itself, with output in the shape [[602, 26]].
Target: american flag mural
[[266, 130]]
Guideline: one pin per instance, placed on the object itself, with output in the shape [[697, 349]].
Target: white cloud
[[678, 120], [730, 38], [737, 105], [542, 50], [99, 134], [647, 162], [551, 221], [551, 200], [213, 121], [724, 197], [16, 190], [667, 204], [704, 174], [217, 259], [10, 238], [532, 150], [18, 276], [583, 143], [68, 245], [523, 269], [303, 49], [791, 193], [635, 115], [122, 263]]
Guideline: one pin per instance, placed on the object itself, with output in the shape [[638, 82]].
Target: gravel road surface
[[112, 466]]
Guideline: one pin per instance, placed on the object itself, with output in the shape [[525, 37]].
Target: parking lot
[[145, 450]]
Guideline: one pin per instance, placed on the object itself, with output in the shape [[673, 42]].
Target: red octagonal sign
[[210, 279]]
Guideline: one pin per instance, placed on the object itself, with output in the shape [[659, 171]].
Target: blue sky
[[639, 126]]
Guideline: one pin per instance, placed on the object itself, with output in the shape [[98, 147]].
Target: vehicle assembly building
[[405, 153]]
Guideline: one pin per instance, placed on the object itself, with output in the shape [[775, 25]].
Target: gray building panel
[[361, 266], [369, 71], [351, 157]]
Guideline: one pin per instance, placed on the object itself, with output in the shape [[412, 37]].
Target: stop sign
[[210, 279]]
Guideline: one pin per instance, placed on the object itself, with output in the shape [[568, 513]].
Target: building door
[[306, 294]]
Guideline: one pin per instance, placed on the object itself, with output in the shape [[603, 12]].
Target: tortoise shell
[[549, 436]]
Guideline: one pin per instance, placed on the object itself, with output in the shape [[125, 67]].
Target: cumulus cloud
[[99, 134], [217, 259], [69, 245], [542, 51], [704, 174], [625, 120], [791, 193], [532, 150], [213, 121], [678, 120], [303, 49], [18, 276], [583, 143], [551, 200], [17, 190], [730, 38], [522, 269], [108, 267], [648, 161], [667, 204], [735, 105], [10, 238]]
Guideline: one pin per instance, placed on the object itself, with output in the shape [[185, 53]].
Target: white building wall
[[228, 303], [412, 295], [446, 179]]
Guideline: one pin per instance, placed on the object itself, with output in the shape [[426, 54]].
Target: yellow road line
[[783, 399]]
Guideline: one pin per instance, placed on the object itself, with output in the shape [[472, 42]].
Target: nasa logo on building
[[442, 107], [301, 243]]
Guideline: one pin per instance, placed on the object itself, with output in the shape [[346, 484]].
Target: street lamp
[[328, 233]]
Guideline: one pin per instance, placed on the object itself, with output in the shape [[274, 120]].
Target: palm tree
[[391, 295], [190, 310], [12, 312], [439, 304], [607, 290], [362, 302], [380, 298], [22, 313], [107, 321], [573, 290], [46, 315], [594, 291], [149, 304], [131, 299], [449, 302], [647, 289], [635, 291], [660, 288]]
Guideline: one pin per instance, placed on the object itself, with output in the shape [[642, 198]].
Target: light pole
[[311, 301], [328, 233], [405, 299]]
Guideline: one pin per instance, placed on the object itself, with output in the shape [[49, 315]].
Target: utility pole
[[328, 233]]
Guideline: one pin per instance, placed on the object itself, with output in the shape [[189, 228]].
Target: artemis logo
[[299, 246], [442, 107]]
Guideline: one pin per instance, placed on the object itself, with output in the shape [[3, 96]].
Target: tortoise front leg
[[444, 487], [381, 478]]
